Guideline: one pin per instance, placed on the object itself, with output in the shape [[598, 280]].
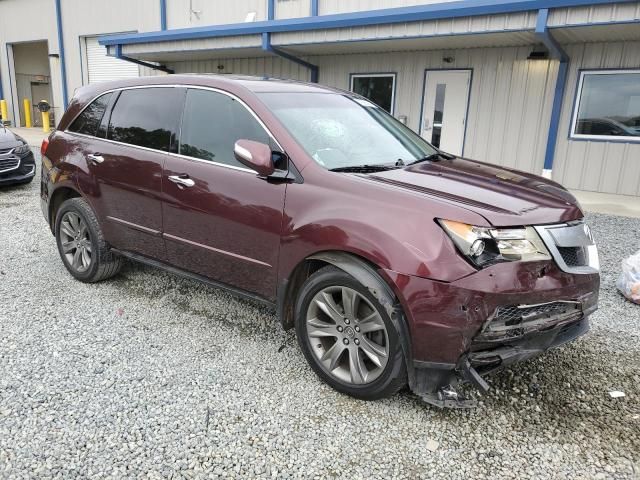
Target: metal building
[[546, 86]]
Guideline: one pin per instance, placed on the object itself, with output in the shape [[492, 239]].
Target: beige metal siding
[[189, 46], [466, 25], [341, 6], [194, 13], [609, 167], [293, 8], [614, 12], [271, 66]]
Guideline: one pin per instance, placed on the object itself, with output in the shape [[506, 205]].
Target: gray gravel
[[153, 376]]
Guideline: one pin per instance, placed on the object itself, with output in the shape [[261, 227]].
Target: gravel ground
[[148, 375]]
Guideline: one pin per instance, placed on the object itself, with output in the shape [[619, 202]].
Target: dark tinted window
[[609, 104], [147, 117], [89, 120], [212, 123]]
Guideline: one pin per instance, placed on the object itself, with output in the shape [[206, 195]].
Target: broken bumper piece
[[506, 339]]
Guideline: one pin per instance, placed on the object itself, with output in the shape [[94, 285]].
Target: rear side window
[[212, 124], [89, 120], [147, 117]]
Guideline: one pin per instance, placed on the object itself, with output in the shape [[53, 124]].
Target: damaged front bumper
[[465, 330]]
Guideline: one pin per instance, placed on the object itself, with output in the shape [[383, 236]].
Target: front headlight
[[21, 149], [484, 246]]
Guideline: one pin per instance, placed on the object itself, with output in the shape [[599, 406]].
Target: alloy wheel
[[347, 335], [75, 241]]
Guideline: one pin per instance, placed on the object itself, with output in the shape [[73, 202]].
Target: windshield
[[343, 131]]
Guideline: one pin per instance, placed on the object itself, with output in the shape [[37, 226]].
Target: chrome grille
[[571, 246], [10, 163]]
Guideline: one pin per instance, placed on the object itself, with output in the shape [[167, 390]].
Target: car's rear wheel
[[347, 336], [81, 245]]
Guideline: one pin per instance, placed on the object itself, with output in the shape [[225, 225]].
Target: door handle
[[95, 157], [182, 180]]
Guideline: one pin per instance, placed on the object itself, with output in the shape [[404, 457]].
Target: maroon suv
[[395, 262]]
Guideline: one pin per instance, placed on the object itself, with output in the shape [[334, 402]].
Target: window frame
[[241, 102], [393, 75], [107, 110], [582, 73], [117, 92]]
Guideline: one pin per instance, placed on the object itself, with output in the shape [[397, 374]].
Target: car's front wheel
[[81, 244], [347, 336]]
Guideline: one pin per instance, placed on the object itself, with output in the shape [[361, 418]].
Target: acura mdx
[[395, 262]]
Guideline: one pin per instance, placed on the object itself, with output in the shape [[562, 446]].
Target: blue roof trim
[[463, 8]]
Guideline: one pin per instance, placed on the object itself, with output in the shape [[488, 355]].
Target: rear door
[[221, 221], [126, 166]]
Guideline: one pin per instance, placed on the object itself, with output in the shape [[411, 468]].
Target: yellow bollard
[[27, 113], [4, 112], [46, 126]]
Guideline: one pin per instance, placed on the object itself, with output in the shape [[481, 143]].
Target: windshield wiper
[[364, 168], [434, 157]]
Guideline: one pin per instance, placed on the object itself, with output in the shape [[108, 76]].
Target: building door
[[444, 109]]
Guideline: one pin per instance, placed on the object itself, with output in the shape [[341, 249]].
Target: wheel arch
[[362, 270], [59, 196]]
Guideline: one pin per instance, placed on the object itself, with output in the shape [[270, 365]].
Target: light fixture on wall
[[448, 59], [538, 54], [54, 55], [220, 67]]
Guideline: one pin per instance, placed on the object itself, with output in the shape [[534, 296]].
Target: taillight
[[44, 146]]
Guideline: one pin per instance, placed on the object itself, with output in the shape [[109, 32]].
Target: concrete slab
[[33, 136], [610, 204]]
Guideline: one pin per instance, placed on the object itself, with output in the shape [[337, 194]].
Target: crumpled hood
[[503, 196]]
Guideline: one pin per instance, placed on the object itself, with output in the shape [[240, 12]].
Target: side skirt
[[194, 276]]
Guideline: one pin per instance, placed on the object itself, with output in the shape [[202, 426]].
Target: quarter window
[[89, 120], [608, 105], [378, 87], [147, 117], [212, 123]]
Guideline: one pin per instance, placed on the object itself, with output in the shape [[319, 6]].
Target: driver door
[[220, 220]]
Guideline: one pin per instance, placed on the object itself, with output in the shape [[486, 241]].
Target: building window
[[608, 105], [380, 88]]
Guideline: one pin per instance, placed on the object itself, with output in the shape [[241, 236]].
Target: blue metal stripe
[[1, 90], [542, 32], [552, 136], [314, 8], [435, 11], [63, 67], [271, 9], [163, 14]]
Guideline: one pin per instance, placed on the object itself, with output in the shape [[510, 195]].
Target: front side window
[[89, 120], [608, 105], [147, 117], [212, 124], [379, 88], [339, 130]]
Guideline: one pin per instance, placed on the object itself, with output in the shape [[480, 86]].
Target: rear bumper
[[464, 321]]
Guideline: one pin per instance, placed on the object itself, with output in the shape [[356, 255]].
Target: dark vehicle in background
[[17, 164], [396, 263]]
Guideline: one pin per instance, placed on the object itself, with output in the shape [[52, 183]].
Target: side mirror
[[254, 155]]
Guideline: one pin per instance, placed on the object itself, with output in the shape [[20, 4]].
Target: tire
[[360, 336], [102, 263]]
